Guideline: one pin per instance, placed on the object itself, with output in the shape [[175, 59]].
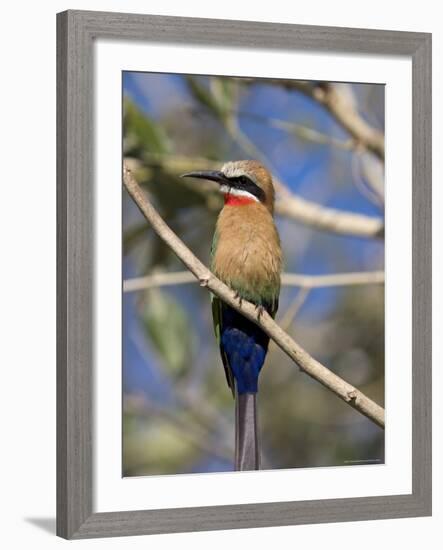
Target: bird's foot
[[239, 298], [260, 310], [204, 281]]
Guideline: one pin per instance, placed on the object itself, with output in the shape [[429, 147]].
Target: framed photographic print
[[244, 274]]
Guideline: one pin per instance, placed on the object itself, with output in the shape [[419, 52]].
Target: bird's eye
[[244, 180]]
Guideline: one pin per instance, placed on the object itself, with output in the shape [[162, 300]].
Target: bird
[[246, 255]]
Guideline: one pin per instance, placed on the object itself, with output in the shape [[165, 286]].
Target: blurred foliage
[[166, 324], [139, 131], [178, 411]]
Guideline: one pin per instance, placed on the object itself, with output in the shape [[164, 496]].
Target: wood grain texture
[[76, 32], [422, 273], [74, 264]]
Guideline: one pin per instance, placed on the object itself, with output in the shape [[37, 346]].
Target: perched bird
[[246, 255]]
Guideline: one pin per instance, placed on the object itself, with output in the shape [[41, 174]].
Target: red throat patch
[[235, 200]]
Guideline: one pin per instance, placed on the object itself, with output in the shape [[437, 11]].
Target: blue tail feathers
[[245, 346]]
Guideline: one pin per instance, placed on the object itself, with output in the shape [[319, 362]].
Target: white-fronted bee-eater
[[246, 255]]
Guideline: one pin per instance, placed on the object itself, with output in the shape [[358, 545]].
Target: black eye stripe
[[244, 183]]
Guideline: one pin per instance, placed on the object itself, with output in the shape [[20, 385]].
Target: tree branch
[[341, 108], [287, 279], [329, 219], [308, 364], [334, 279], [158, 279]]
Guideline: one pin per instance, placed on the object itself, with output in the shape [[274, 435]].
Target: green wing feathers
[[216, 316]]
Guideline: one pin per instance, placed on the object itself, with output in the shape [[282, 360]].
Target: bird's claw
[[204, 281], [239, 298], [260, 310]]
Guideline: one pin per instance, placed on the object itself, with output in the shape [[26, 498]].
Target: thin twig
[[294, 307], [303, 132], [308, 364], [292, 312], [364, 185], [372, 172], [287, 279]]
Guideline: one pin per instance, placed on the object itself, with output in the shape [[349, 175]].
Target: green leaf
[[170, 331], [224, 91], [204, 96], [142, 133]]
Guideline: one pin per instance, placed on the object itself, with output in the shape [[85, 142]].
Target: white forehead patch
[[235, 170]]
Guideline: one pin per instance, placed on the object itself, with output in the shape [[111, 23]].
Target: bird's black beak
[[212, 175]]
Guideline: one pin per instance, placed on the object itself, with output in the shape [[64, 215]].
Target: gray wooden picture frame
[[76, 32]]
